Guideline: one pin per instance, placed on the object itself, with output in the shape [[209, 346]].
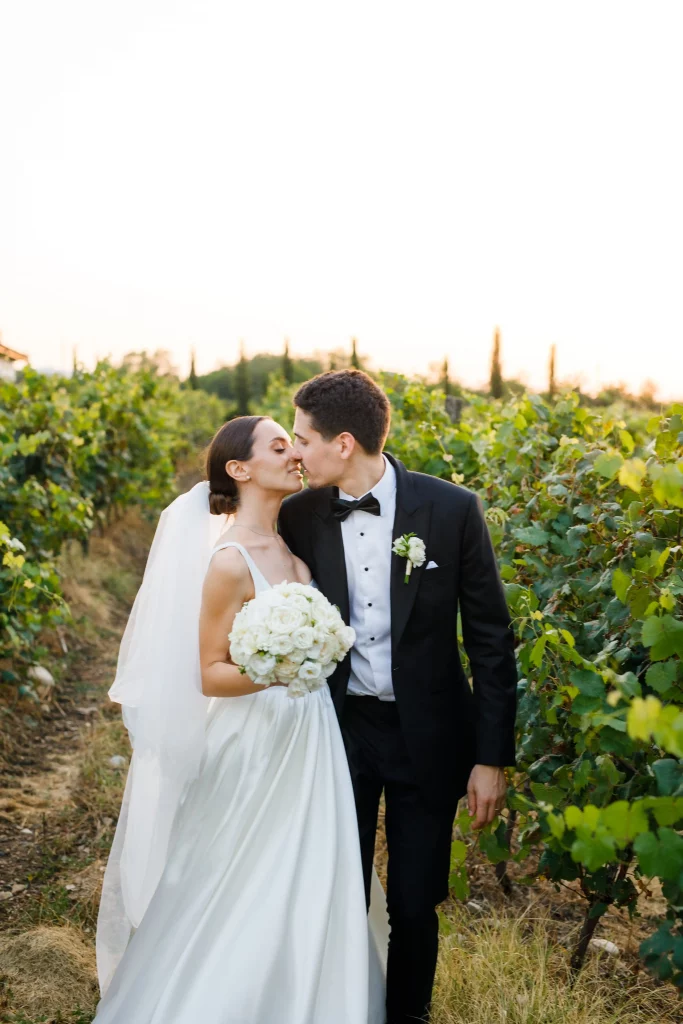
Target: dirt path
[[59, 795]]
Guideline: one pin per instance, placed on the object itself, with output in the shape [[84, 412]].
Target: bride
[[233, 893]]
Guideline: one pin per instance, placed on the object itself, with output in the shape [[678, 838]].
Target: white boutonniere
[[410, 547]]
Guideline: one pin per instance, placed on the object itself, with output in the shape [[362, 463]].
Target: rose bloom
[[320, 633], [286, 619], [310, 670], [281, 644], [260, 665], [259, 636], [416, 550], [286, 671], [302, 638], [238, 653], [298, 689], [314, 651], [329, 650], [347, 636], [328, 617]]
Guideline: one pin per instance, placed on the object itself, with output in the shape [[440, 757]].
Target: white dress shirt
[[367, 552]]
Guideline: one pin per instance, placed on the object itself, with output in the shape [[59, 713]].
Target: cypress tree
[[496, 382], [355, 361], [552, 386], [445, 378], [192, 379], [242, 389], [287, 365]]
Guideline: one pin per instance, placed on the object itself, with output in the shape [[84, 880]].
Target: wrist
[[493, 770]]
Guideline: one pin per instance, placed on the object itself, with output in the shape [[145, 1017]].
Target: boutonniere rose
[[410, 547]]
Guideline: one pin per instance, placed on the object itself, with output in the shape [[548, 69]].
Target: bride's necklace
[[251, 528], [260, 533]]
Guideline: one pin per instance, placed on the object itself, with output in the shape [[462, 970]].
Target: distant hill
[[223, 382]]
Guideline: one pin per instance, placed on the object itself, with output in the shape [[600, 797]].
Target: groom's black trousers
[[418, 845]]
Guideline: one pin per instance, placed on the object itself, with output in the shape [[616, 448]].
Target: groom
[[412, 726]]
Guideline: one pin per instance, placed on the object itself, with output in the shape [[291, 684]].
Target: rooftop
[[11, 353]]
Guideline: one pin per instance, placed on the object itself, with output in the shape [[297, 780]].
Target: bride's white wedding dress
[[259, 916]]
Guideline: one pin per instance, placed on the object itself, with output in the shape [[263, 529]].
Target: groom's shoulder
[[443, 491], [434, 488]]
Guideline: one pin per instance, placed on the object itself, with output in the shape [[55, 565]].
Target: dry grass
[[100, 586], [83, 831], [506, 970], [48, 971], [495, 970], [100, 787]]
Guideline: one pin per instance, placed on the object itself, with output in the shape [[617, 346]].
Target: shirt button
[[362, 534], [366, 568], [369, 604], [372, 638]]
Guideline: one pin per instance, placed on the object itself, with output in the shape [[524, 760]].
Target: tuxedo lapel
[[328, 548], [412, 516]]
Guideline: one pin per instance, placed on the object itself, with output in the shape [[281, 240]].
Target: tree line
[[243, 385]]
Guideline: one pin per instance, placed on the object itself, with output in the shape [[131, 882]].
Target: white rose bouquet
[[289, 634]]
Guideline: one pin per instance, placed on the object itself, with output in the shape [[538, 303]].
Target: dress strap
[[253, 568]]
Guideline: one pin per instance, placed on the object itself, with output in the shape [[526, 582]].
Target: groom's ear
[[348, 445]]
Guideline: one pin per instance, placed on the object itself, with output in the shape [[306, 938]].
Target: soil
[[43, 829]]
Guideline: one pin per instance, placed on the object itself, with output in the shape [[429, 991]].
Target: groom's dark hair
[[347, 401]]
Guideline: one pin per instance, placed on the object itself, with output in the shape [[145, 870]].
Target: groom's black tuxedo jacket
[[447, 726]]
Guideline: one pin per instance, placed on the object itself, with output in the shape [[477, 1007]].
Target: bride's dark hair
[[234, 440]]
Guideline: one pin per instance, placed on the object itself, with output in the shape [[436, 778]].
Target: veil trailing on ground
[[158, 684]]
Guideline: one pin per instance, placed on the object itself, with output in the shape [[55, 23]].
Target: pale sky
[[192, 172]]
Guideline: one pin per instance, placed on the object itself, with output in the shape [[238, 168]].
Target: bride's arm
[[227, 586]]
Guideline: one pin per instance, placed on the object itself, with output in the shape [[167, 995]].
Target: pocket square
[[431, 565]]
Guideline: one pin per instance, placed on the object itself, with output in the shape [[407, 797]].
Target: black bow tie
[[342, 508]]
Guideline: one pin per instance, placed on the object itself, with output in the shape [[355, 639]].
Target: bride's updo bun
[[222, 503], [234, 440]]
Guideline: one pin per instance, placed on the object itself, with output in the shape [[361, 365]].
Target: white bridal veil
[[158, 684]]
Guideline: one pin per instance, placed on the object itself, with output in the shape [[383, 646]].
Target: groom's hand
[[485, 793]]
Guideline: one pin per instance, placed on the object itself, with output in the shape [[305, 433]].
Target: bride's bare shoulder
[[228, 566]]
